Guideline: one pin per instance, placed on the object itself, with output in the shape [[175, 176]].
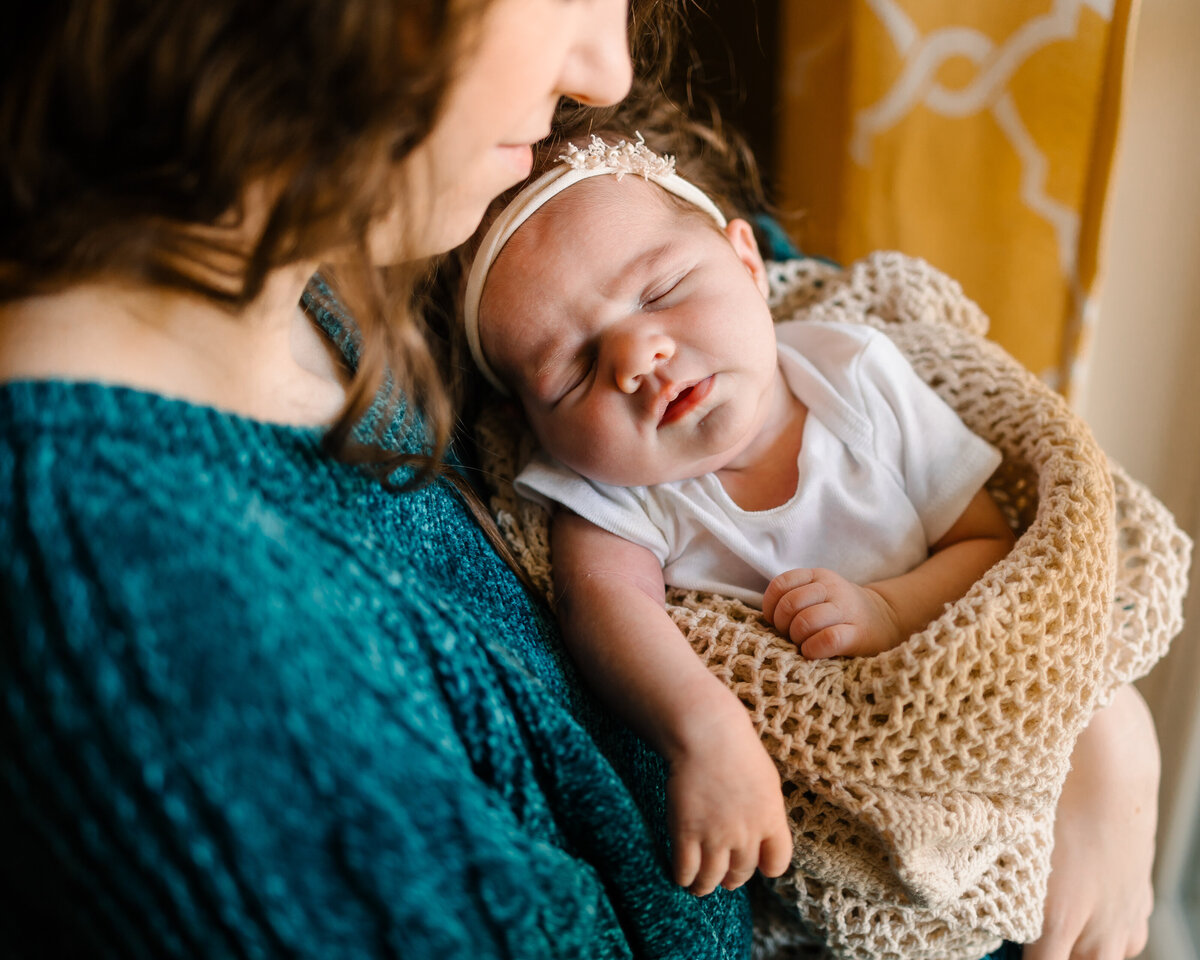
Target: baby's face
[[636, 337]]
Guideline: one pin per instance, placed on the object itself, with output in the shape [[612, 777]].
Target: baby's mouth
[[685, 401]]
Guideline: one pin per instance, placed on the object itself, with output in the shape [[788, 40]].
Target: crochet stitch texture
[[921, 783]]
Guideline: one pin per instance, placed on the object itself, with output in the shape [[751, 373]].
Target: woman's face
[[521, 57]]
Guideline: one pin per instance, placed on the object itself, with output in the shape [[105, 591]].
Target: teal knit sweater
[[254, 705]]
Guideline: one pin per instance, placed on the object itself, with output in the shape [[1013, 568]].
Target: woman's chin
[[517, 159], [390, 243], [461, 207]]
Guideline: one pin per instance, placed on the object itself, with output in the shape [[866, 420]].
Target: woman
[[255, 701]]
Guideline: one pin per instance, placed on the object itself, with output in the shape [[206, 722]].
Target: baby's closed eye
[[576, 373], [656, 294]]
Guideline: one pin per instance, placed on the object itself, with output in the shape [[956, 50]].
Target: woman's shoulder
[[96, 479], [141, 511]]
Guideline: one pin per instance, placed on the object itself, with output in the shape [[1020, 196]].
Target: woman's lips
[[686, 400]]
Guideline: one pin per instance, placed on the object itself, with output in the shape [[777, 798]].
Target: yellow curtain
[[978, 135]]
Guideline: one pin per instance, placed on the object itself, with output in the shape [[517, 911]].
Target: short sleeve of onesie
[[941, 462], [624, 511]]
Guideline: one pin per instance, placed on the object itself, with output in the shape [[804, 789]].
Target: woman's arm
[[725, 804], [1100, 895]]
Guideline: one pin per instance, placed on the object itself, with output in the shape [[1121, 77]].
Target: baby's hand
[[725, 809], [826, 615]]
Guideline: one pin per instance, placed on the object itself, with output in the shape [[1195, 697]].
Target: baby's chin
[[685, 455]]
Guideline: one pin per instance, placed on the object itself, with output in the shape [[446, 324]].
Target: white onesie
[[886, 468]]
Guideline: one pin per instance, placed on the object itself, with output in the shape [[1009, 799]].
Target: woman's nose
[[598, 70], [636, 355]]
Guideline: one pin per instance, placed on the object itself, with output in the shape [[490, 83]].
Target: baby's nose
[[638, 355]]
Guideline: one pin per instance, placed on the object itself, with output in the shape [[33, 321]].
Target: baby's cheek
[[558, 436], [578, 451], [588, 451]]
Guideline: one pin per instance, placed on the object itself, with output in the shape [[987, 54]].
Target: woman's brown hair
[[130, 132]]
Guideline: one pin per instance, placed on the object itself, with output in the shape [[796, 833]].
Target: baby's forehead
[[587, 234], [531, 257]]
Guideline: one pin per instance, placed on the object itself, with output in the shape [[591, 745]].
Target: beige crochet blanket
[[921, 783]]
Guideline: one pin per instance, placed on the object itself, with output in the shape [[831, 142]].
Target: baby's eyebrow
[[641, 262], [545, 362], [548, 358]]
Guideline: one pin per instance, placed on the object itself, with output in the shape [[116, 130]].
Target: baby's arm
[[828, 616], [724, 800]]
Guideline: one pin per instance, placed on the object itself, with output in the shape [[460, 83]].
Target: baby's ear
[[741, 236]]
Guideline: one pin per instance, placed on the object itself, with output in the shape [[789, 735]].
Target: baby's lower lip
[[687, 401]]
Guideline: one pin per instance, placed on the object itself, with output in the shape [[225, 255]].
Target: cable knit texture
[[921, 783], [254, 705]]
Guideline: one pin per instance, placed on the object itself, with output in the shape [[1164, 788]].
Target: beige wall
[[1142, 395], [1142, 388]]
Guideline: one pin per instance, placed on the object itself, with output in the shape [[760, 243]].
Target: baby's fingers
[[796, 606], [775, 853], [812, 621], [742, 863], [838, 640], [783, 584], [714, 865], [685, 858]]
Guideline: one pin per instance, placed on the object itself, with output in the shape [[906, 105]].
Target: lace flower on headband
[[619, 159]]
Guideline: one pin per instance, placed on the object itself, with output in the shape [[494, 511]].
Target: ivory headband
[[576, 165]]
